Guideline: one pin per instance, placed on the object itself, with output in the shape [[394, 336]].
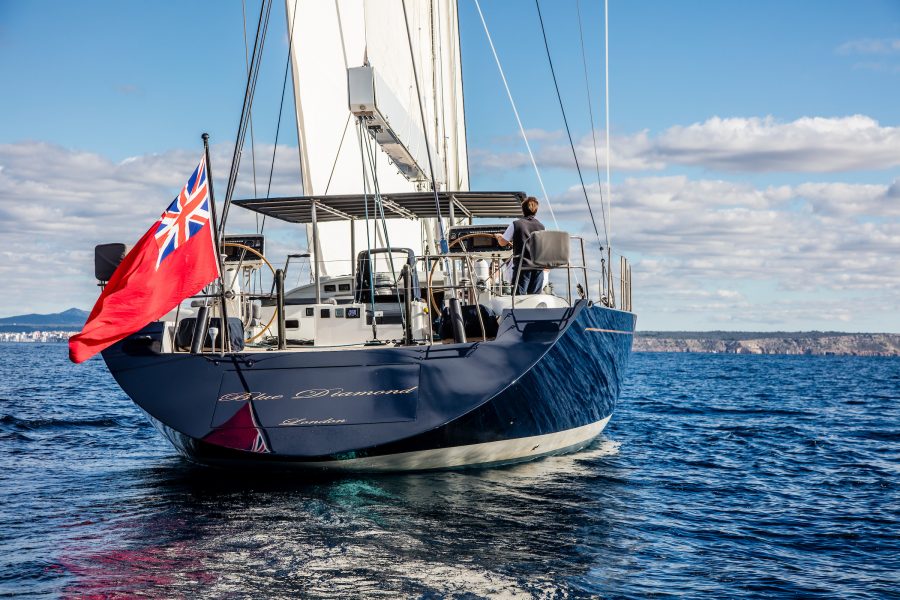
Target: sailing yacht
[[409, 348]]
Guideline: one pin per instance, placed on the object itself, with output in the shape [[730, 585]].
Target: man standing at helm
[[530, 282]]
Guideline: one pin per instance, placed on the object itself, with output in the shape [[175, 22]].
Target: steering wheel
[[431, 300], [272, 269]]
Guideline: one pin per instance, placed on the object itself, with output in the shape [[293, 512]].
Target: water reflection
[[523, 531]]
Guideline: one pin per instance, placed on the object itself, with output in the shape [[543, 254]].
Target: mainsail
[[328, 38]]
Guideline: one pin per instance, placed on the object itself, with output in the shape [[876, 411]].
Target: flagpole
[[226, 333]]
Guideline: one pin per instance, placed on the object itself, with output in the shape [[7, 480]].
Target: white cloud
[[705, 252], [482, 160], [807, 144], [129, 89], [877, 55], [629, 153], [535, 135], [57, 204], [870, 46], [700, 247], [851, 200]]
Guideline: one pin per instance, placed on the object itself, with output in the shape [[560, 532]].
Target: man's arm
[[505, 238]]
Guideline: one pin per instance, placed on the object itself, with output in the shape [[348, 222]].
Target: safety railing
[[456, 275]]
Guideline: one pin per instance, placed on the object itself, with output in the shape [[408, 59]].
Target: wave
[[24, 424]]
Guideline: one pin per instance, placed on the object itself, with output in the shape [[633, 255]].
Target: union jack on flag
[[186, 216]]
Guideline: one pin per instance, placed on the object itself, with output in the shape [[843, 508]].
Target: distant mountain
[[68, 320]]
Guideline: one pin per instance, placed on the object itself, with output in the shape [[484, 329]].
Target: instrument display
[[479, 243], [235, 254]]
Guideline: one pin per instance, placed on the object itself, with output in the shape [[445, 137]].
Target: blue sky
[[755, 145]]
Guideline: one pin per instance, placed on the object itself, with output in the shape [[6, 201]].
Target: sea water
[[718, 476]]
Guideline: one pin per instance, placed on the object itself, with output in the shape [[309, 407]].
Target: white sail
[[330, 37]]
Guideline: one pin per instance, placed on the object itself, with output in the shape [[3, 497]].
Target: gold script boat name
[[313, 393], [304, 421]]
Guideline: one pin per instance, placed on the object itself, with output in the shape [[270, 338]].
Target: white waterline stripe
[[458, 456], [609, 330]]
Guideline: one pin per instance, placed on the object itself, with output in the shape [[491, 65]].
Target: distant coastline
[[36, 336], [809, 343], [42, 328], [814, 343], [58, 327]]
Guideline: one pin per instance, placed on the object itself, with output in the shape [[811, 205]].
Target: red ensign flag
[[175, 259]]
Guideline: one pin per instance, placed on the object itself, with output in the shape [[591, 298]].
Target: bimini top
[[415, 205]]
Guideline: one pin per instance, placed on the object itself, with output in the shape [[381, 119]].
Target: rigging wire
[[439, 76], [516, 113], [247, 65], [437, 202], [379, 205], [264, 11], [512, 103], [287, 64], [608, 157], [444, 246], [587, 85], [362, 157], [566, 122], [338, 155]]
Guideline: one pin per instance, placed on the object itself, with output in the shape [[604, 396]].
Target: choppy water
[[719, 476]]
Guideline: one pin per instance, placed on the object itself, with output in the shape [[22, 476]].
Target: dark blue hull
[[551, 376]]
